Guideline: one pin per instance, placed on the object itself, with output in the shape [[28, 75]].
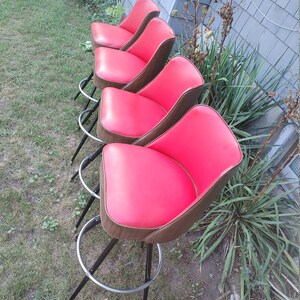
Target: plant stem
[[226, 13], [293, 106], [266, 142], [275, 175]]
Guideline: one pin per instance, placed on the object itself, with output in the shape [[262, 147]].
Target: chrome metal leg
[[83, 140], [88, 100], [90, 112], [91, 157], [89, 273], [95, 266], [148, 269]]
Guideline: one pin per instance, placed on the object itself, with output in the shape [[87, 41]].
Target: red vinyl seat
[[151, 188], [107, 35], [124, 34], [125, 116], [128, 114], [155, 193], [140, 63], [117, 66], [120, 37]]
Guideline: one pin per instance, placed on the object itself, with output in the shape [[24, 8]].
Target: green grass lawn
[[41, 64]]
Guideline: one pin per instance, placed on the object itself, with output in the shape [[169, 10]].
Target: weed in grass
[[197, 290], [87, 46], [49, 177], [81, 201], [56, 194], [176, 252], [106, 11], [50, 224], [76, 212], [115, 12], [33, 178]]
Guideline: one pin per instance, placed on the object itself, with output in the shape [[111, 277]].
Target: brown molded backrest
[[138, 18], [176, 88], [203, 144], [154, 47]]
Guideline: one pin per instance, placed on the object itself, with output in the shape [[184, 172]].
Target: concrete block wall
[[278, 46]]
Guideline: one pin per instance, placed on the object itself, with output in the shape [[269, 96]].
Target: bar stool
[[137, 66], [123, 35], [126, 117], [126, 33], [155, 193]]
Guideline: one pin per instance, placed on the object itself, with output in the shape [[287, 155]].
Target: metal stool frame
[[89, 273]]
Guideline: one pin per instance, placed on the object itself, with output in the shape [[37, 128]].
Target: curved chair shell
[[171, 93], [127, 32], [185, 102], [154, 66], [155, 193], [140, 63], [184, 222]]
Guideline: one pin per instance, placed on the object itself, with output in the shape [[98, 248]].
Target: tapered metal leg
[[95, 266], [88, 205], [90, 113], [89, 160], [85, 84], [148, 269], [83, 140], [89, 101]]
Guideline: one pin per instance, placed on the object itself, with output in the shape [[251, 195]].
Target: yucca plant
[[229, 69], [235, 92], [256, 233], [253, 219]]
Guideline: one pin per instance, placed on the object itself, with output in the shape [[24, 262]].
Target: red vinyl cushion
[[110, 36], [127, 113], [203, 144], [177, 77], [138, 13], [117, 66], [156, 32], [144, 188]]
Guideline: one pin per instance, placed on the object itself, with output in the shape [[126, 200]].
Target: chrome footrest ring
[[82, 181], [83, 92], [101, 284], [84, 130]]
